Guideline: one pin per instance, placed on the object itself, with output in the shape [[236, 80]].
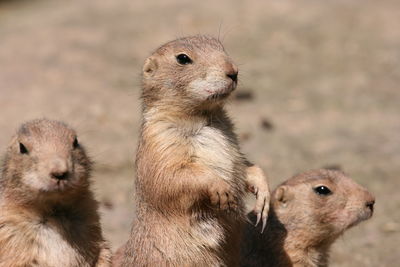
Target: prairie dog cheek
[[200, 88], [211, 84], [32, 180]]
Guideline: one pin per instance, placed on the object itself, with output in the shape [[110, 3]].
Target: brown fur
[[302, 225], [190, 172], [48, 221]]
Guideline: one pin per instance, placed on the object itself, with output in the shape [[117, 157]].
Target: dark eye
[[183, 59], [75, 144], [22, 149], [322, 190]]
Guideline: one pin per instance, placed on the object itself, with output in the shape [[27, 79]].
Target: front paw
[[222, 196], [258, 184], [261, 207]]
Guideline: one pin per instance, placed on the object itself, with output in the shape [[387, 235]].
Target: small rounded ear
[[13, 143], [150, 66], [283, 194]]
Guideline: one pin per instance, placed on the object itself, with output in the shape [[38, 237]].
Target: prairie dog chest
[[29, 242], [213, 148], [54, 249]]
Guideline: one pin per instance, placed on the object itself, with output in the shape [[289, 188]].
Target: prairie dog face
[[325, 202], [45, 157], [195, 70]]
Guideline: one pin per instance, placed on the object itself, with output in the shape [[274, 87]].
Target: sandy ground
[[323, 75]]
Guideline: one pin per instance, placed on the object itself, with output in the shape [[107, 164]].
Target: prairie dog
[[48, 214], [308, 213], [191, 175]]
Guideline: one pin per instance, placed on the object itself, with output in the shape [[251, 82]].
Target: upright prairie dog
[[48, 216], [191, 175], [308, 213]]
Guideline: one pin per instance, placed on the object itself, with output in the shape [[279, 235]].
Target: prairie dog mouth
[[218, 96], [56, 186], [214, 87], [363, 216], [222, 93]]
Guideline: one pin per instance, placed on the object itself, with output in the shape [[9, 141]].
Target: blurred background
[[319, 87]]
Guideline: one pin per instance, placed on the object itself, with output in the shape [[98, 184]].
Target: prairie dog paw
[[222, 196], [257, 183]]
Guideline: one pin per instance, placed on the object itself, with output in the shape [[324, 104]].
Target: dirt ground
[[321, 77]]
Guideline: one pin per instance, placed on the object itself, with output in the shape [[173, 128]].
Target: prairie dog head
[[45, 159], [194, 71], [323, 203]]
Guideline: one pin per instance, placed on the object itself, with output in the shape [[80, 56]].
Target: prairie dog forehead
[[44, 130], [198, 43], [317, 176]]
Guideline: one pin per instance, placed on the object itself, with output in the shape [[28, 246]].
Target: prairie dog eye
[[22, 149], [183, 59], [75, 144], [322, 190]]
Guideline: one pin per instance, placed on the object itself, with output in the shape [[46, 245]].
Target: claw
[[264, 214], [264, 223], [258, 218]]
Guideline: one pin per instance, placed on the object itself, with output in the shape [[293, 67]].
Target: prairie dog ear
[[13, 143], [149, 67], [283, 194]]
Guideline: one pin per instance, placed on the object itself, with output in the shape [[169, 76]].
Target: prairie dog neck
[[292, 247], [43, 207], [184, 121]]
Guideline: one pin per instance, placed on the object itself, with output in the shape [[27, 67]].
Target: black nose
[[59, 175], [233, 76], [370, 205]]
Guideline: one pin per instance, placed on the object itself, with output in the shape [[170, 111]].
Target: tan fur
[[44, 220], [302, 225], [190, 172]]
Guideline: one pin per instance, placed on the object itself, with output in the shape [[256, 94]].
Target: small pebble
[[391, 227], [108, 204], [267, 124], [244, 136]]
